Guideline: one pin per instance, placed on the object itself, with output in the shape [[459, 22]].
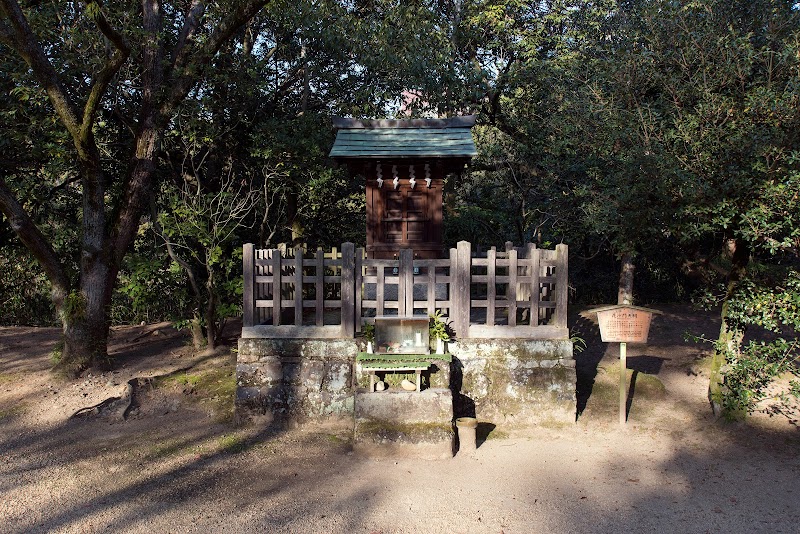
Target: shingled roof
[[412, 138]]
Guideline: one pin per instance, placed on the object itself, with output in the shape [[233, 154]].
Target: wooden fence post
[[562, 284], [512, 287], [319, 288], [359, 287], [462, 288], [491, 285], [405, 287], [534, 254], [348, 280], [248, 294], [298, 286], [277, 259]]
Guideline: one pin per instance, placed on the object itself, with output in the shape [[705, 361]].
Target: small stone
[[408, 385]]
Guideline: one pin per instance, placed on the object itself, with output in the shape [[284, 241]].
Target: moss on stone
[[404, 432]]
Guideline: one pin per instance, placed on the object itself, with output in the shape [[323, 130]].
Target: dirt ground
[[77, 456]]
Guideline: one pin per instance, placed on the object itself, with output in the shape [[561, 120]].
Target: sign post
[[624, 324]]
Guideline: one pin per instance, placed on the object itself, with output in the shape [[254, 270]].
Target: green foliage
[[369, 331], [438, 328], [74, 305], [57, 352], [144, 282], [750, 372], [24, 291]]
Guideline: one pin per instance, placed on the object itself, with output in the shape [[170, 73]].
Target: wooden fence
[[519, 292]]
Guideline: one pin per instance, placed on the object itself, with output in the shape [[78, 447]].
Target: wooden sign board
[[624, 324]]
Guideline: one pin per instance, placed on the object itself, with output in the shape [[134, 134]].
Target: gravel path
[[176, 467]]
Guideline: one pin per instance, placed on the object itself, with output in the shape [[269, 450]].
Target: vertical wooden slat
[[319, 288], [512, 287], [534, 254], [462, 288], [359, 294], [248, 294], [262, 314], [562, 281], [451, 286], [405, 289], [348, 290], [431, 293], [298, 286], [491, 286], [379, 289], [277, 257]]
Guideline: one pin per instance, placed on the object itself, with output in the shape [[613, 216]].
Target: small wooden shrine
[[404, 163]]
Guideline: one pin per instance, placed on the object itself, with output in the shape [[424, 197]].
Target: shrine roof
[[412, 138]]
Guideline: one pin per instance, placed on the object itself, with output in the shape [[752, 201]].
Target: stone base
[[294, 381], [511, 383], [406, 423], [514, 382]]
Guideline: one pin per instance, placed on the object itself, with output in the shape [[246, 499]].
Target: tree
[[169, 53]]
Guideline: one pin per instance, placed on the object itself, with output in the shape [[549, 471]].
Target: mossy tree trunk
[[625, 286], [730, 336]]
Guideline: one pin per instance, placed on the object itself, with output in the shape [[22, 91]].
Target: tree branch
[[24, 42], [32, 238], [109, 70], [186, 74], [6, 35], [191, 22]]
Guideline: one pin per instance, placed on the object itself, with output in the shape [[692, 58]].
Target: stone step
[[418, 424]]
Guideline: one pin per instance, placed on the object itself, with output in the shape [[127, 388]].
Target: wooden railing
[[517, 292]]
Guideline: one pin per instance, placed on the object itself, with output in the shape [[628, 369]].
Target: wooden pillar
[[405, 288], [534, 255], [461, 293], [277, 258], [562, 284], [359, 286], [248, 293], [512, 287], [319, 288], [623, 382], [491, 285], [298, 286], [348, 290]]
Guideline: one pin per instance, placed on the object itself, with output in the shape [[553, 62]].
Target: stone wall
[[292, 380], [514, 382], [506, 382]]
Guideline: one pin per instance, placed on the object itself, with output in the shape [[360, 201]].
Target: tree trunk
[[196, 327], [625, 288], [211, 307], [730, 338], [294, 219], [85, 336]]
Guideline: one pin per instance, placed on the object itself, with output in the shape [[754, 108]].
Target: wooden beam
[[462, 288], [348, 290], [298, 286], [405, 289], [248, 293], [319, 288], [562, 284]]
